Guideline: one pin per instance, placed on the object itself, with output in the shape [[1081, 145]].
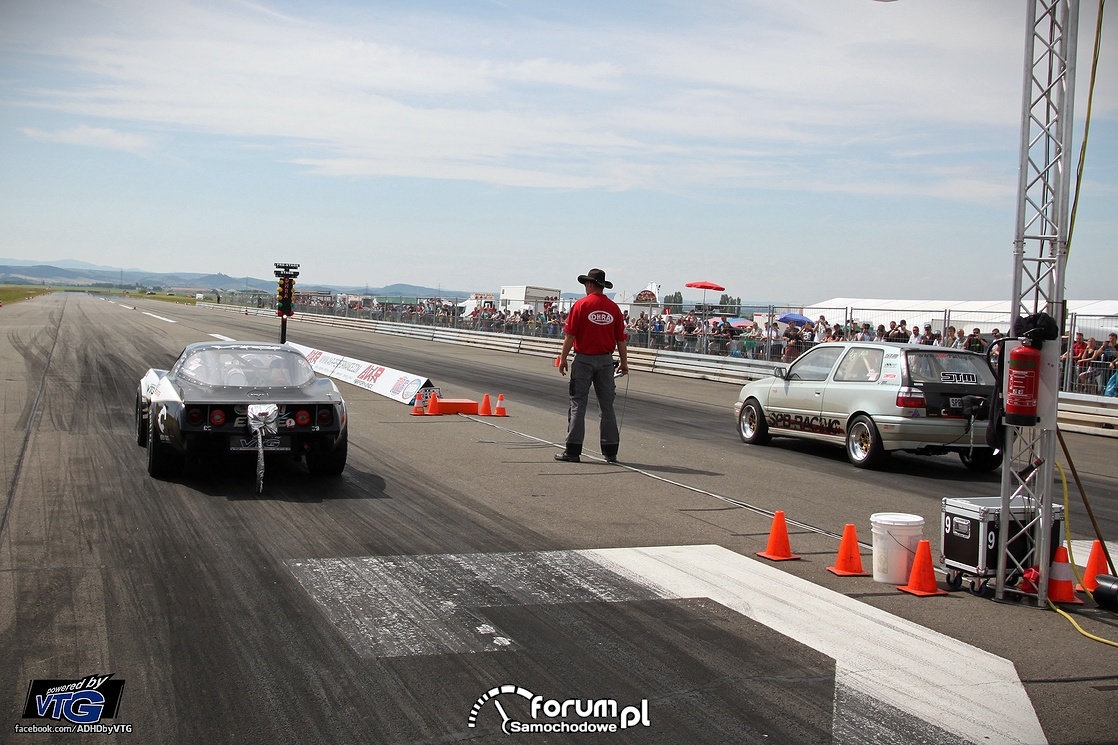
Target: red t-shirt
[[596, 323]]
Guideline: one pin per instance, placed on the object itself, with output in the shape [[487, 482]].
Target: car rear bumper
[[224, 442], [915, 433]]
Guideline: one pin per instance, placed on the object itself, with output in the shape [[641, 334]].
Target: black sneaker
[[611, 459], [567, 457]]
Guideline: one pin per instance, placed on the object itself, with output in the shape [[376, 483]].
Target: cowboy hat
[[597, 276]]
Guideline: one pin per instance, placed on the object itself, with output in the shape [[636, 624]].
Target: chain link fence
[[765, 332]]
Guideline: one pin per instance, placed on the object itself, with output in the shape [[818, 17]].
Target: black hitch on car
[[976, 407]]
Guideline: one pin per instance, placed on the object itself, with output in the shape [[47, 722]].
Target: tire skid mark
[[31, 412]]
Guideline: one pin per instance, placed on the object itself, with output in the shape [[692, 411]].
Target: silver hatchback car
[[875, 398]]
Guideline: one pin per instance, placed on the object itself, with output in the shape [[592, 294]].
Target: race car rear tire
[[863, 443], [141, 425], [982, 460], [162, 460], [331, 463]]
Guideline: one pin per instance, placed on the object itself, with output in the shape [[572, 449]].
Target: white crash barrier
[[395, 384]]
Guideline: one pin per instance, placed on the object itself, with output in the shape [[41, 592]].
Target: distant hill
[[83, 274], [73, 273]]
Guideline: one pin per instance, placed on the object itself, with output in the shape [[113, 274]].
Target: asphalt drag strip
[[721, 497], [877, 677]]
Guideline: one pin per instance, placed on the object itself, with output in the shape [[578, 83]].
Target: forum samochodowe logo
[[552, 716], [78, 706]]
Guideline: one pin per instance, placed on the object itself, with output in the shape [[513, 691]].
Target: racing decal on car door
[[800, 423]]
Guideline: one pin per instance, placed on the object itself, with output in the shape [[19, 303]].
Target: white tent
[[1092, 316]]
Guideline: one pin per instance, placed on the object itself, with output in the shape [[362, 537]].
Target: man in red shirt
[[1077, 347], [594, 328]]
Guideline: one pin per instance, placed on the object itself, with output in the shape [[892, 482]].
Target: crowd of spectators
[[786, 342], [1092, 363]]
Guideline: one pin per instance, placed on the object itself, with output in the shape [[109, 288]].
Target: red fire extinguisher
[[1022, 385]]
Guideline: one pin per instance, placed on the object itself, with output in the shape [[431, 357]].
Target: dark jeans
[[596, 370]]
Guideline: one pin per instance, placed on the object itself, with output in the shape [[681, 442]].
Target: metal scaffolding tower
[[1040, 249]]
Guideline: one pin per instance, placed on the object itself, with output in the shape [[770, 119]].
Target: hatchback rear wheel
[[863, 443]]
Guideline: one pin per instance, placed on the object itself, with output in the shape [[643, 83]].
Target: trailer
[[518, 297]]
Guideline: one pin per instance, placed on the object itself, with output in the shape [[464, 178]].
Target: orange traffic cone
[[848, 563], [500, 410], [778, 548], [1061, 579], [486, 408], [417, 406], [1096, 565], [433, 405], [922, 578]]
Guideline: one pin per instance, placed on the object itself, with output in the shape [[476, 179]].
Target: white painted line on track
[[960, 688], [161, 318], [1081, 552], [888, 671], [222, 337]]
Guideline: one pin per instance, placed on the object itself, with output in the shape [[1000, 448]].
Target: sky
[[788, 151]]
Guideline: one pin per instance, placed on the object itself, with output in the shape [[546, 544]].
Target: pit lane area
[[195, 591]]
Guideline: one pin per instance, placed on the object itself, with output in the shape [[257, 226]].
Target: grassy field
[[12, 293], [15, 293]]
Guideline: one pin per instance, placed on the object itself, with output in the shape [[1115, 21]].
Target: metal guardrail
[[1093, 415], [1096, 415]]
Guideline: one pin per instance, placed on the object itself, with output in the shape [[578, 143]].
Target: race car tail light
[[302, 417], [217, 417], [194, 416], [910, 398], [325, 415]]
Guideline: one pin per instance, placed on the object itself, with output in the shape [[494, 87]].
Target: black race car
[[240, 397]]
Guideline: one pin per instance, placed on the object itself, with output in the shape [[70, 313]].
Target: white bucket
[[895, 538]]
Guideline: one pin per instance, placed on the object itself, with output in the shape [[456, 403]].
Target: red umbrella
[[704, 286]]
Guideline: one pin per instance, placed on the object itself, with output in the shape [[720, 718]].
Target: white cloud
[[651, 129], [521, 101], [100, 137]]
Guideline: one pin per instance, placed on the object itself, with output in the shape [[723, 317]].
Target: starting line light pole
[[285, 295]]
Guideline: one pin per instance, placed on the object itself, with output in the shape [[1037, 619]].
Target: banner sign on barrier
[[400, 386]]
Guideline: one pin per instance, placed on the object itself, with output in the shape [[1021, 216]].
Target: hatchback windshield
[[247, 367]]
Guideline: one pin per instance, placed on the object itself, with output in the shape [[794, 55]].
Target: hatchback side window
[[860, 365], [816, 364]]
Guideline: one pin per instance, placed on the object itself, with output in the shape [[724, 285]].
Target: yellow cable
[[1078, 628], [1074, 568]]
